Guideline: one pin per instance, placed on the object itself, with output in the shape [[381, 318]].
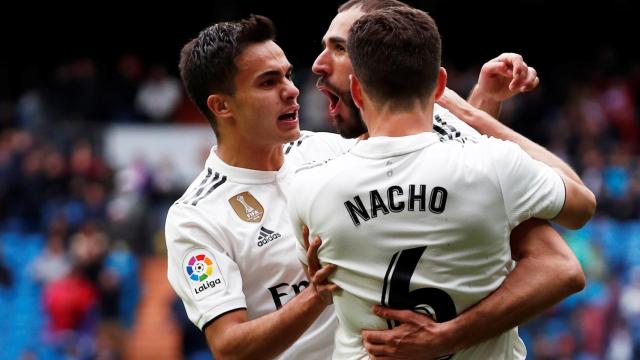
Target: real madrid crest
[[247, 207]]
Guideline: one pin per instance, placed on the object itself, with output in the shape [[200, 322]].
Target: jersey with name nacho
[[231, 245], [416, 223]]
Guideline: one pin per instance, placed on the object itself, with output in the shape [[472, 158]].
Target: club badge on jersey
[[247, 207], [202, 273]]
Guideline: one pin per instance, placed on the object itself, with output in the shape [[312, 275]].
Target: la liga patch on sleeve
[[202, 273]]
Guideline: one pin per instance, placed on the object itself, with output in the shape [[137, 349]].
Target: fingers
[[323, 274], [312, 256], [333, 288], [404, 316], [514, 68], [524, 77], [494, 67], [512, 59], [379, 344], [514, 63], [527, 83], [322, 286], [520, 74], [376, 336], [531, 82], [379, 351], [305, 236]]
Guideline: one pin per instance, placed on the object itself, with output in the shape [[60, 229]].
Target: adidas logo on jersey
[[266, 236]]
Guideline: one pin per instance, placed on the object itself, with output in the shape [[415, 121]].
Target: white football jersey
[[231, 245], [417, 223]]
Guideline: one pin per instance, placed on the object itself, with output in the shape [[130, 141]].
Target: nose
[[290, 91], [321, 65]]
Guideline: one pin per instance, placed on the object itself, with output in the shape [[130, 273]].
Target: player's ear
[[219, 106], [441, 83], [356, 90]]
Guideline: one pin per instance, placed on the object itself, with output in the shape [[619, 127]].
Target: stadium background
[[97, 140]]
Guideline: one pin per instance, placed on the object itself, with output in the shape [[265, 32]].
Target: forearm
[[268, 336], [492, 127], [485, 103], [488, 125], [546, 273]]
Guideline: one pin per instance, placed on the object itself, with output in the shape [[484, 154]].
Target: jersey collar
[[384, 146], [243, 175]]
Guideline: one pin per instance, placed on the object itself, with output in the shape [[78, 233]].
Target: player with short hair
[[229, 241], [230, 244], [412, 222], [544, 261]]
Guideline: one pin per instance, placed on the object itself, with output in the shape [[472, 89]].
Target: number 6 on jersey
[[396, 294]]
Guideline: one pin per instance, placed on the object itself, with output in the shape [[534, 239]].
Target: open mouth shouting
[[289, 117], [335, 100]]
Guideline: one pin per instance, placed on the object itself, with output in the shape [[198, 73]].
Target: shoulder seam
[[208, 183]]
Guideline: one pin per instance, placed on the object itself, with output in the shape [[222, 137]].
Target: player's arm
[[488, 125], [318, 275], [220, 311], [500, 79], [580, 203], [546, 273], [547, 270], [232, 336]]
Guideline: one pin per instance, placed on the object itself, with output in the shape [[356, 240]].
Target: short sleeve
[[449, 126], [199, 269], [529, 187], [313, 147], [336, 144]]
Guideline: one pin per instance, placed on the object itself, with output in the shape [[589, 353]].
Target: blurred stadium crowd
[[74, 228]]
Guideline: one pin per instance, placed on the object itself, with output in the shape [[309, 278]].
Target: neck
[[248, 155], [385, 121]]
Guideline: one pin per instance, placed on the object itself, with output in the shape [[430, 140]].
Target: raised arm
[[500, 79], [580, 202], [547, 271]]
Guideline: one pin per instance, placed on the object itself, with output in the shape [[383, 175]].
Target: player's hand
[[417, 337], [506, 76], [318, 275]]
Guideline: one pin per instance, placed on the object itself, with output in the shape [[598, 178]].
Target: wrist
[[481, 94], [484, 101], [314, 300], [452, 337]]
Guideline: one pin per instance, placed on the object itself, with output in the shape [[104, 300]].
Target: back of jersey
[[411, 223]]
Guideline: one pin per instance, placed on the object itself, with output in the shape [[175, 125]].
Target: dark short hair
[[396, 54], [368, 6], [207, 63]]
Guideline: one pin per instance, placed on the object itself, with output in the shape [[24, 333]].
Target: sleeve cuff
[[220, 309]]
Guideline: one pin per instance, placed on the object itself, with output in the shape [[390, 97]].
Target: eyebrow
[[334, 40], [270, 73]]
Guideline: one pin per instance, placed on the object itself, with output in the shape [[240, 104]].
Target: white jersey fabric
[[231, 244], [414, 222]]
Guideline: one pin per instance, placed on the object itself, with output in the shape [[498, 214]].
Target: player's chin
[[290, 135]]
